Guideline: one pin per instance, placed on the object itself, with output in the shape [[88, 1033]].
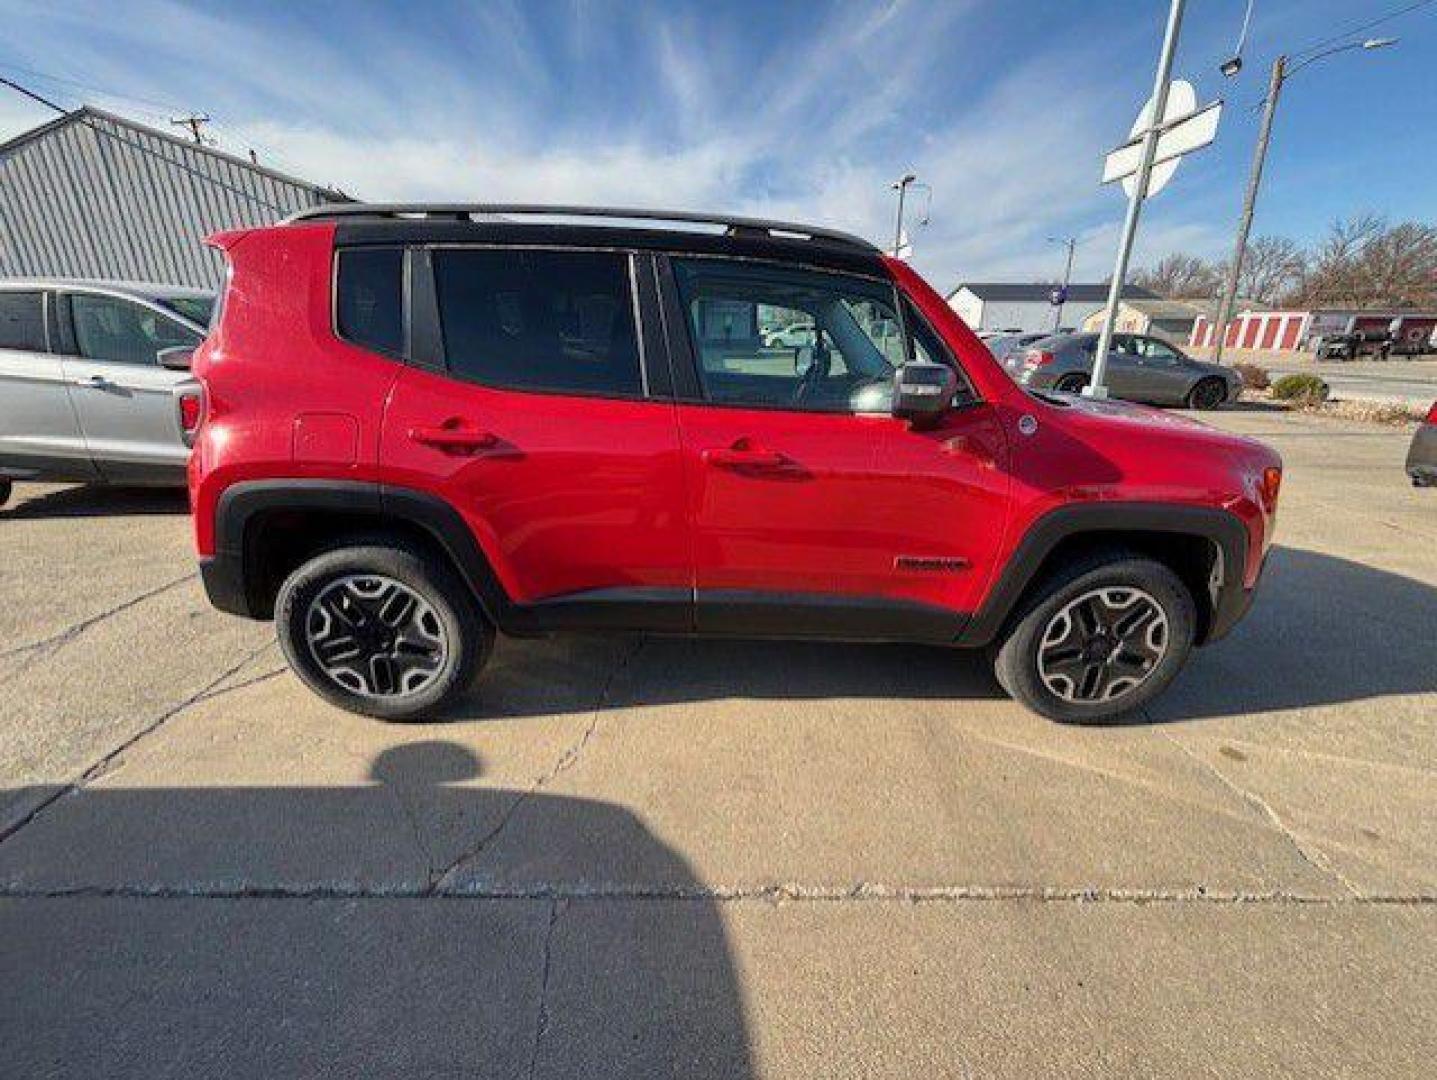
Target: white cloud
[[815, 127]]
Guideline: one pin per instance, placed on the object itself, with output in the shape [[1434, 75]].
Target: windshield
[[195, 308]]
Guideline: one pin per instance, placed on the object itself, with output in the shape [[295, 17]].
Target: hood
[[1143, 418]]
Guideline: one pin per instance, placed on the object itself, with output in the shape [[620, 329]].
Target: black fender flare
[[227, 575], [1221, 527]]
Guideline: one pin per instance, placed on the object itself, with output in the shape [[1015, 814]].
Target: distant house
[[1005, 305], [1172, 320], [93, 195]]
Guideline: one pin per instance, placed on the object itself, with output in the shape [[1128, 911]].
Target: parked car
[[94, 380], [435, 427], [1422, 454], [1004, 347], [793, 336], [1351, 346], [1140, 368]]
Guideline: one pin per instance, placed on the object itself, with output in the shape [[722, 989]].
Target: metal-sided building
[[93, 195], [1006, 305]]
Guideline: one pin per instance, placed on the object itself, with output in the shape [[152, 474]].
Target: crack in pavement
[[567, 760], [776, 894], [65, 636], [1314, 857], [541, 1023], [100, 767]]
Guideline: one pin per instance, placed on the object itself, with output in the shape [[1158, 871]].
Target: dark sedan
[[1422, 456], [1140, 368]]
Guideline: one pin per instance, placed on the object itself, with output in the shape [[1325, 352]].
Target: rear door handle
[[91, 382], [454, 439]]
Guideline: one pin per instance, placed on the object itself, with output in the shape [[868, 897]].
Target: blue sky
[[802, 110]]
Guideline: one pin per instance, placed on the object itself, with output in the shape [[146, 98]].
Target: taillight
[[1271, 485], [191, 405], [1038, 358], [1432, 414]]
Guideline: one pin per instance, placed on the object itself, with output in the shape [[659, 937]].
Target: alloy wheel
[[375, 636], [1208, 394], [1103, 645]]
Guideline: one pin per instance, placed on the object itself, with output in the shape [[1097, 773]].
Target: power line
[[1394, 14], [166, 110], [165, 107], [170, 162], [34, 96]]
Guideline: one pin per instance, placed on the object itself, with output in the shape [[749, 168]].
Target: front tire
[[1208, 394], [1099, 639], [6, 487], [382, 630]]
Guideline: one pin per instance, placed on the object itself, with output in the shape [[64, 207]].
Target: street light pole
[[1161, 82], [901, 186], [1280, 74]]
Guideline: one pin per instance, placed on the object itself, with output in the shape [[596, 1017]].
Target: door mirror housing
[[176, 357], [923, 392]]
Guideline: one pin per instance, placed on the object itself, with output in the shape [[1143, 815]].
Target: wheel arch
[[1205, 546], [265, 529]]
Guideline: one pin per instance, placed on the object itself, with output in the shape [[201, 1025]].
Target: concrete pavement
[[645, 857]]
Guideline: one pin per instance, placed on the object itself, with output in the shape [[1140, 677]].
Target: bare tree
[[1398, 268], [1180, 277], [1271, 266], [1332, 275]]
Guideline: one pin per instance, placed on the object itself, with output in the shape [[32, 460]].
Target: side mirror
[[176, 357], [923, 391]]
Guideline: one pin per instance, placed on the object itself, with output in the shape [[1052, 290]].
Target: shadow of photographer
[[365, 930]]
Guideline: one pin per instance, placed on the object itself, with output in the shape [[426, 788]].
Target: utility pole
[[193, 122], [1244, 223], [901, 186], [1071, 243], [1161, 82], [1281, 72]]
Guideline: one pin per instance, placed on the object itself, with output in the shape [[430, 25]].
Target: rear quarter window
[[369, 305]]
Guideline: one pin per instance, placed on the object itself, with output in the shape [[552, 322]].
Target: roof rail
[[734, 226]]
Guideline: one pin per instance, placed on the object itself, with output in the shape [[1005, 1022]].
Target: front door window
[[114, 331]]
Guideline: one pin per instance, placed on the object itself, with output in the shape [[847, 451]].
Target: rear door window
[[22, 321], [556, 321]]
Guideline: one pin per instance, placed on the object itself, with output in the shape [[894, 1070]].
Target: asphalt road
[[646, 857]]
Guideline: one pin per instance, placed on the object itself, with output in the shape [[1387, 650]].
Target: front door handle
[[454, 440], [91, 382], [745, 457]]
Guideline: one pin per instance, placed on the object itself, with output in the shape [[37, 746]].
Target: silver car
[[94, 377], [1140, 368]]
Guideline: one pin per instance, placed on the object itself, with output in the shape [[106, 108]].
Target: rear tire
[[1208, 394], [1099, 638], [382, 630], [1071, 384]]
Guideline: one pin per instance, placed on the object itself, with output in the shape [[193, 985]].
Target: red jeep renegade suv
[[426, 424]]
